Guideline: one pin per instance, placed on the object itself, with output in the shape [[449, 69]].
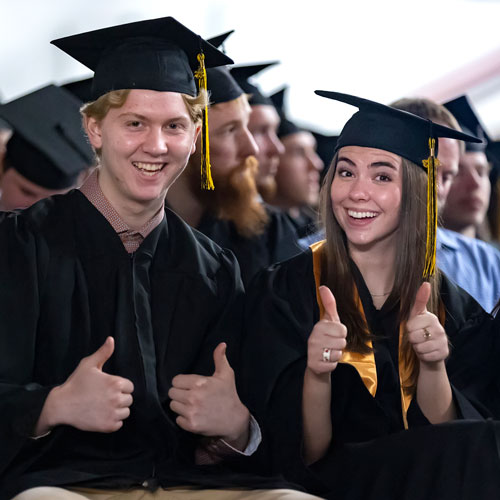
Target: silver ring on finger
[[326, 354]]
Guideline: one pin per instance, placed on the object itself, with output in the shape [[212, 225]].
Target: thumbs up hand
[[425, 332], [327, 339], [90, 399], [210, 406]]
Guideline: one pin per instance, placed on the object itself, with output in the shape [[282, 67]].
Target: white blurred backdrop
[[381, 50]]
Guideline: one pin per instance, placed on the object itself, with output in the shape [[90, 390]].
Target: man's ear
[[93, 130], [196, 138]]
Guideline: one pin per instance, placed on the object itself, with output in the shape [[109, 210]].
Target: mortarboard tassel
[[431, 165], [206, 173]]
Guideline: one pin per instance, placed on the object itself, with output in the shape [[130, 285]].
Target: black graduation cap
[[221, 85], [82, 89], [218, 40], [325, 148], [405, 134], [48, 145], [244, 72], [157, 54], [462, 109], [286, 127], [383, 127]]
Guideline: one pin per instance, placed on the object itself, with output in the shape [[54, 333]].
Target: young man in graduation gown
[[263, 124], [47, 153], [115, 315], [469, 197], [233, 214], [299, 171]]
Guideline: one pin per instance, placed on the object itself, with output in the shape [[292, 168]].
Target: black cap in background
[[81, 89], [461, 108], [221, 85], [157, 54], [48, 145], [242, 73], [286, 127]]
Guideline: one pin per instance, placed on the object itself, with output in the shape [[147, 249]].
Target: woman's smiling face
[[366, 194]]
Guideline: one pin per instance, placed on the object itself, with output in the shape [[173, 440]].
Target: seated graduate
[[232, 214], [48, 153], [361, 343], [298, 175], [469, 197], [263, 124], [115, 315], [472, 264]]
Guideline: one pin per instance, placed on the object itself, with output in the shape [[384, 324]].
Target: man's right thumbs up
[[90, 399], [328, 337]]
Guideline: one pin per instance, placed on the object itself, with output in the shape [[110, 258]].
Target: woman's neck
[[377, 266]]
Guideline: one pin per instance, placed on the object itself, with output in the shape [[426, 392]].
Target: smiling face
[[144, 146], [366, 195]]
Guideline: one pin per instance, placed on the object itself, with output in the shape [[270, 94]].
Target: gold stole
[[365, 363]]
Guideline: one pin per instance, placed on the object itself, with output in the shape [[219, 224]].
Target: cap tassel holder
[[431, 165], [206, 173]]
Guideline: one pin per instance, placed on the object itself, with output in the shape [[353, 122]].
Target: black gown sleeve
[[474, 352], [22, 259]]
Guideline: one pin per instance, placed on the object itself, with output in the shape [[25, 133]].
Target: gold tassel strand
[[206, 172], [431, 165]]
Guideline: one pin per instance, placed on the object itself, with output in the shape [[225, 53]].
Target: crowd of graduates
[[200, 298]]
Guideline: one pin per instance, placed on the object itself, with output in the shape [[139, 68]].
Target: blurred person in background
[[47, 152], [232, 214], [263, 124], [298, 175], [472, 264], [469, 197]]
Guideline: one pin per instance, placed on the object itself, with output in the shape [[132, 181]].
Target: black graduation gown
[[278, 242], [306, 223], [66, 283], [371, 456]]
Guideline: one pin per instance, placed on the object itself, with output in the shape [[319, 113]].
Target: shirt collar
[[447, 238], [92, 190]]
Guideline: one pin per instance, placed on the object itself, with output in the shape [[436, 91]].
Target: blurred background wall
[[381, 50]]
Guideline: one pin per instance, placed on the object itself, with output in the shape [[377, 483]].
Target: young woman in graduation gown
[[371, 372]]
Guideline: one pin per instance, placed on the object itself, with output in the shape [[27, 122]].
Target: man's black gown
[[372, 456], [278, 242], [67, 283]]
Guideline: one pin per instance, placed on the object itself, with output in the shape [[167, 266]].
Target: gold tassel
[[206, 172], [431, 165]]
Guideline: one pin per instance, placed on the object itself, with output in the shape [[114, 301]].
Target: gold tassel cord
[[206, 172], [431, 165]]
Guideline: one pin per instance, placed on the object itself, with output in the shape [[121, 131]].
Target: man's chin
[[267, 187]]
